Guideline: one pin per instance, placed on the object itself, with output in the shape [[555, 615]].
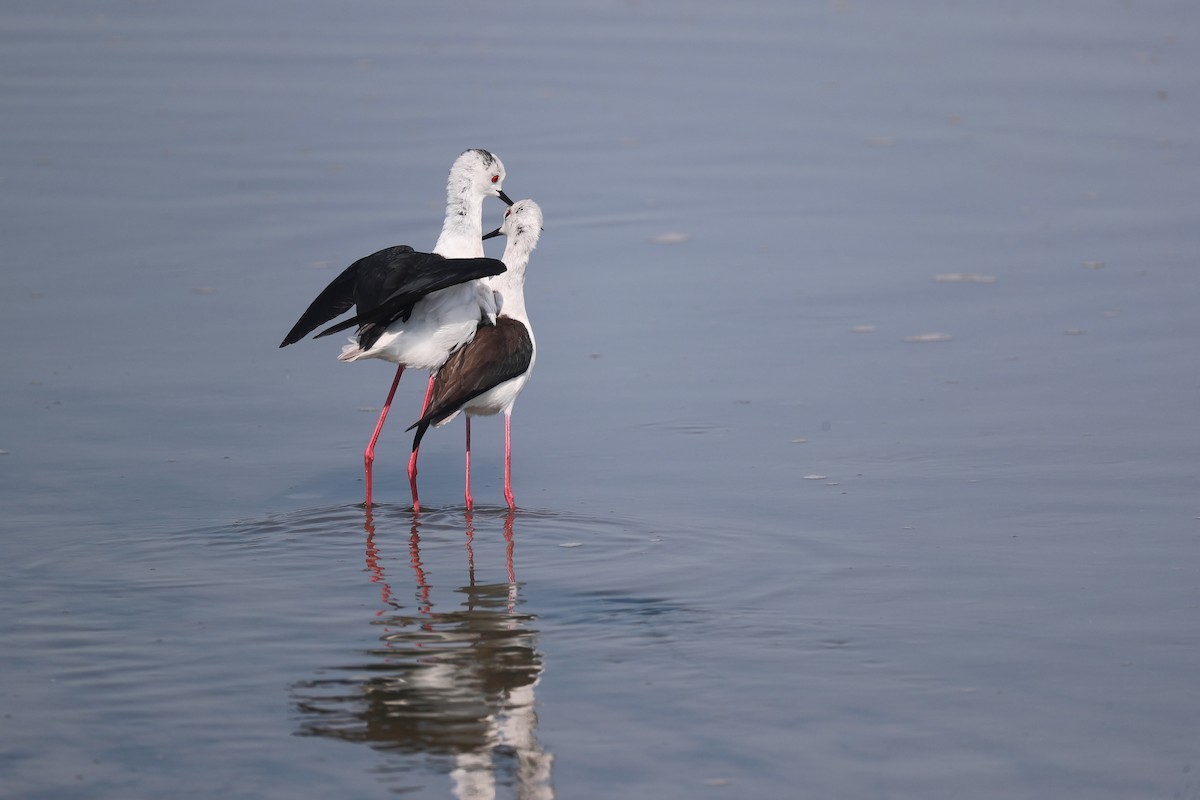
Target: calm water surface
[[860, 459]]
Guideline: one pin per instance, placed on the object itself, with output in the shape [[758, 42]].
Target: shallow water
[[859, 460]]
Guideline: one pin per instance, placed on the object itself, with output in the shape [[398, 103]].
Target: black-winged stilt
[[485, 376], [415, 309]]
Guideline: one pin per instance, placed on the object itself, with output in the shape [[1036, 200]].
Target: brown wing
[[498, 353]]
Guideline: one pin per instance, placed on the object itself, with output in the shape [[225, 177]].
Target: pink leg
[[508, 492], [412, 459], [467, 484], [369, 453]]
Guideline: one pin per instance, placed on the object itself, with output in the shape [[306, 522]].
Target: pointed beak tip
[[492, 234], [507, 200]]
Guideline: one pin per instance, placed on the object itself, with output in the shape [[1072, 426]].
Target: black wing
[[424, 273], [497, 354], [384, 286], [340, 294]]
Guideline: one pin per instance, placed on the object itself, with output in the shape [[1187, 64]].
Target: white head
[[522, 225], [479, 173]]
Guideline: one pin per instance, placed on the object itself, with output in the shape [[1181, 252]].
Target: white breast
[[440, 323]]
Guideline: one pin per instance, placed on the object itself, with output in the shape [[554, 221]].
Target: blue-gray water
[[860, 459]]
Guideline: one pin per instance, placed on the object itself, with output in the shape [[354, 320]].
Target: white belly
[[440, 323]]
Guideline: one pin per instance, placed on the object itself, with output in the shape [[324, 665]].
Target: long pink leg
[[412, 459], [508, 492], [467, 484], [369, 453]]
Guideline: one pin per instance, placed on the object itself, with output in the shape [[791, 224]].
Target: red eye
[[495, 178]]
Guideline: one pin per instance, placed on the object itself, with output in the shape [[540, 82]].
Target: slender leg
[[412, 460], [508, 492], [369, 453]]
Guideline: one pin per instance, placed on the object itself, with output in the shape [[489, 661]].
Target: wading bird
[[485, 376], [413, 308]]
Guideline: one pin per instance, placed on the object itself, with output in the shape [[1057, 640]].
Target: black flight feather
[[384, 287]]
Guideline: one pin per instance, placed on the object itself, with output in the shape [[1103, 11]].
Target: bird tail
[[352, 351], [421, 427], [436, 418]]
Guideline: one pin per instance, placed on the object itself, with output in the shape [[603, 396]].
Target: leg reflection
[[448, 684]]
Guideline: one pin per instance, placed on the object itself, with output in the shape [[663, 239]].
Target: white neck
[[511, 283], [462, 231]]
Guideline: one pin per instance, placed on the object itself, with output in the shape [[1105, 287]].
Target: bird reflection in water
[[455, 687]]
